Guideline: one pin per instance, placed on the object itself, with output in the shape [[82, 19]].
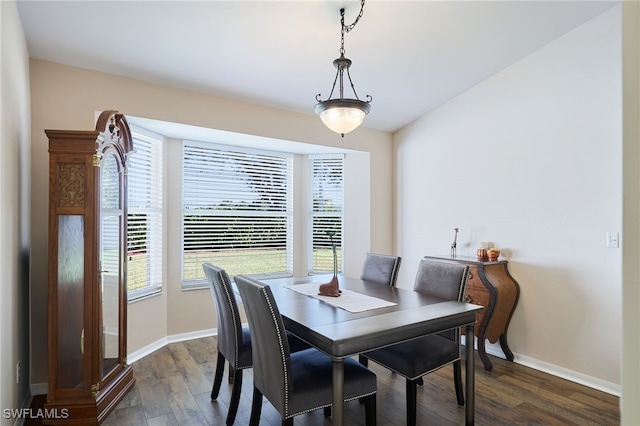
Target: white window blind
[[237, 211], [144, 218], [326, 210]]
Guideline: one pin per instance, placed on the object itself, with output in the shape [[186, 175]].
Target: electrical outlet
[[18, 373], [612, 240]]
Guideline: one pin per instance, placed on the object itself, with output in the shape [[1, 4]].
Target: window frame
[[312, 213], [154, 176]]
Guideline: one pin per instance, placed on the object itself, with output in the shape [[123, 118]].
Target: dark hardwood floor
[[173, 387]]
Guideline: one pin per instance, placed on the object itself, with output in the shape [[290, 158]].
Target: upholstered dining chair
[[381, 269], [300, 382], [415, 358], [234, 341]]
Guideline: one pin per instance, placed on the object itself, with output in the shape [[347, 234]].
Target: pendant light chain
[[346, 28], [350, 27]]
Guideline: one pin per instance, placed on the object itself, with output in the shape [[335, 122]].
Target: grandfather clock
[[88, 370]]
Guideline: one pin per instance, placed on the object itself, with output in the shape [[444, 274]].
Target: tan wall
[[631, 214], [14, 212], [67, 98]]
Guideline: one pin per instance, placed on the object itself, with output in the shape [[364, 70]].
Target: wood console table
[[491, 286]]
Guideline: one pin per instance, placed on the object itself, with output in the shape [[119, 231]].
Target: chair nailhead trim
[[225, 287], [329, 405], [282, 353]]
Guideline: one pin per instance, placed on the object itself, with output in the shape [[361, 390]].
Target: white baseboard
[[158, 344], [39, 388], [554, 370], [573, 376]]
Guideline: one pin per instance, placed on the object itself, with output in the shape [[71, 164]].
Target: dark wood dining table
[[341, 334]]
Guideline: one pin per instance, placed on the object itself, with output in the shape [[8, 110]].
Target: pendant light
[[341, 114]]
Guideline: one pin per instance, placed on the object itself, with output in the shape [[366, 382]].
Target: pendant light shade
[[342, 115]]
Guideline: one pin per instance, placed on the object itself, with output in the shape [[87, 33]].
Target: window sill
[[145, 295]]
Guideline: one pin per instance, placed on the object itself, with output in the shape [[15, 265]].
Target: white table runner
[[348, 300]]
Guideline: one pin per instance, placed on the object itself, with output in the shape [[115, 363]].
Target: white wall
[[14, 211], [67, 98], [530, 159]]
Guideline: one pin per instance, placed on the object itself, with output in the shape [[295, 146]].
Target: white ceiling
[[410, 56]]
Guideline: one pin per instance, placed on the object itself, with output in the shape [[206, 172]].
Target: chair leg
[[232, 374], [420, 381], [457, 380], [412, 394], [235, 397], [288, 422], [217, 381], [256, 408], [327, 411], [370, 410]]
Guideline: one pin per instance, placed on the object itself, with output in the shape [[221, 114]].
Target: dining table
[[368, 316]]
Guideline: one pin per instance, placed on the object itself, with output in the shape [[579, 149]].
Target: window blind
[[144, 218], [326, 210], [237, 211]]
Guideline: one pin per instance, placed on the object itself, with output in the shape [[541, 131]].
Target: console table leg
[[505, 347], [482, 352]]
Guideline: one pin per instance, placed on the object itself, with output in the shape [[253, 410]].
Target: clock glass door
[[110, 258]]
